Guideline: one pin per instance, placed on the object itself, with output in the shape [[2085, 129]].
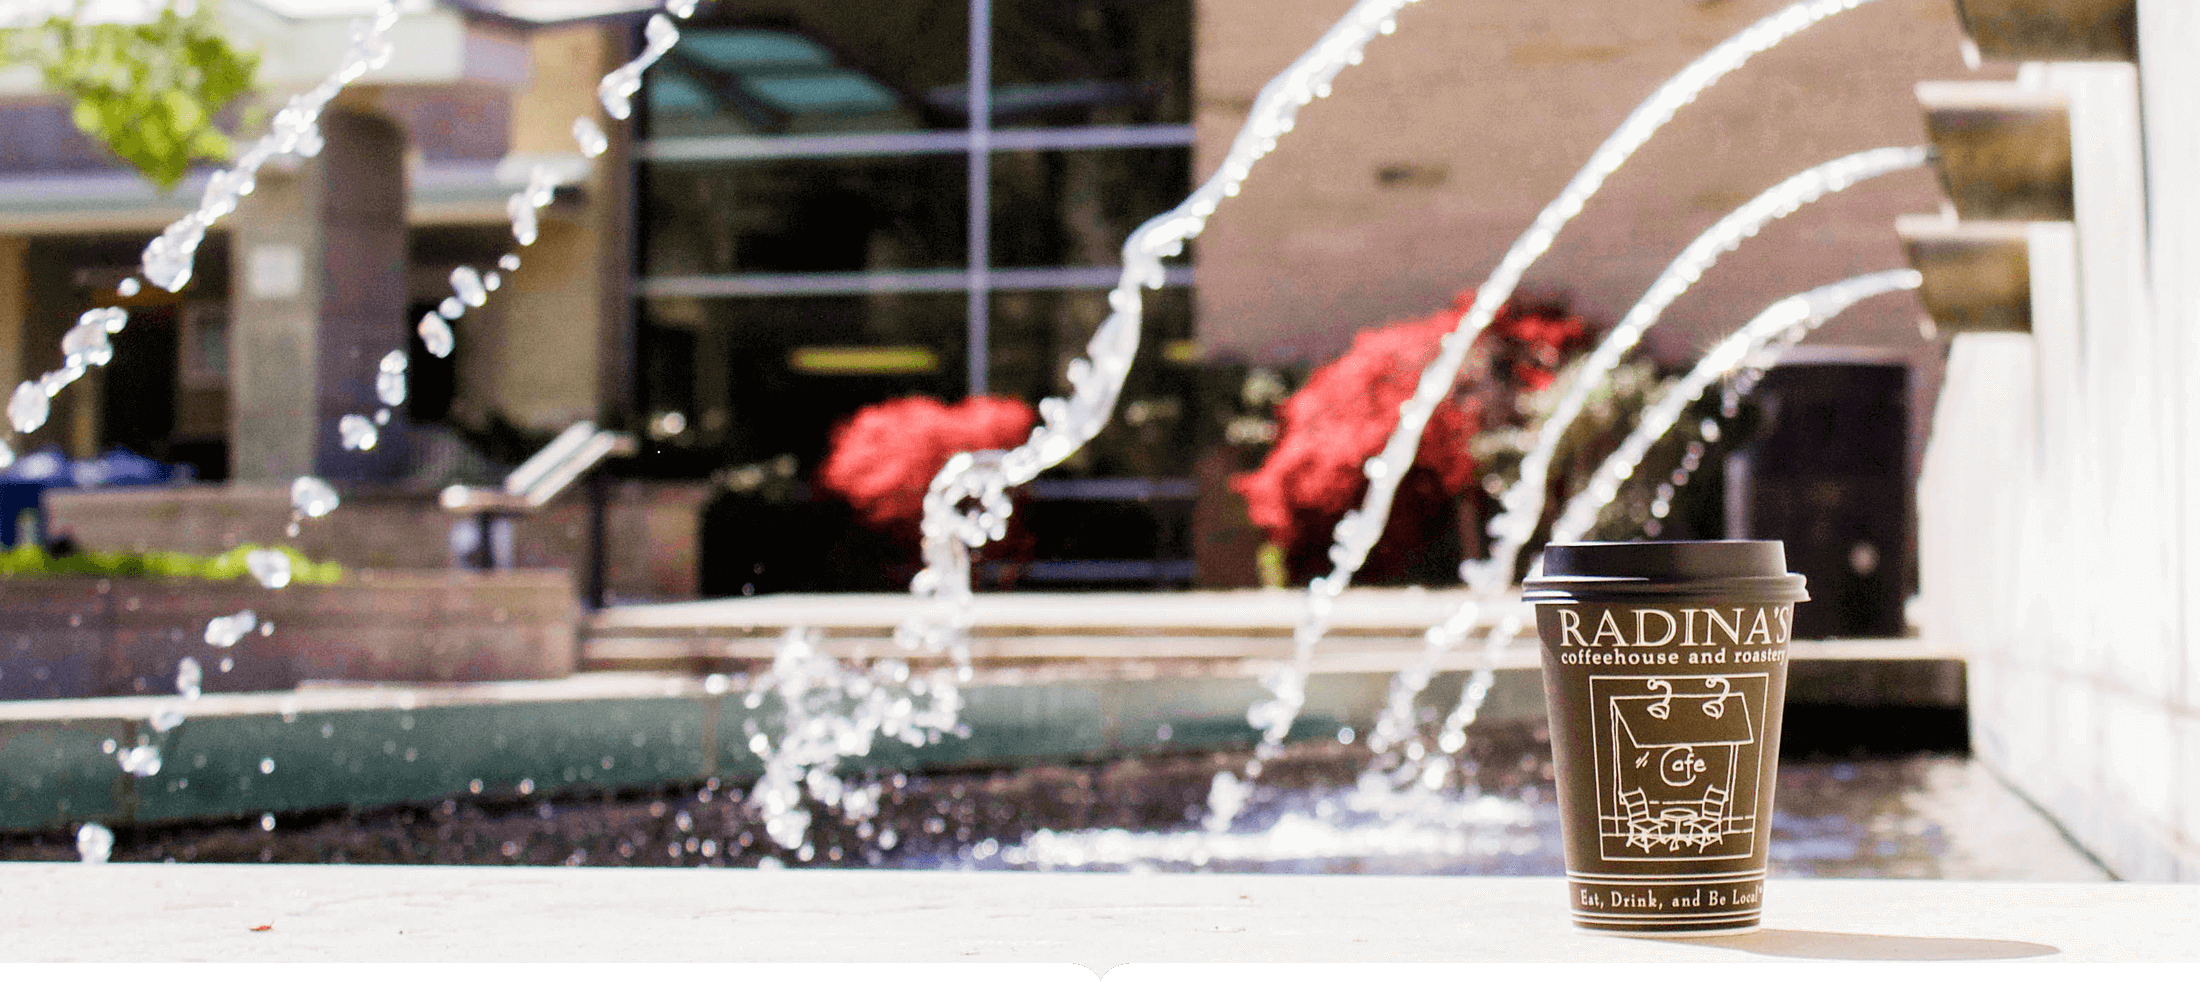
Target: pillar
[[317, 298]]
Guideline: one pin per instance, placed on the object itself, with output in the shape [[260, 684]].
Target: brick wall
[[1430, 158]]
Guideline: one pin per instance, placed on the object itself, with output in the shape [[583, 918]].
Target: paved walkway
[[366, 913]]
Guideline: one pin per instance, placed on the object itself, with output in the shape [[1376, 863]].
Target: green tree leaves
[[149, 91]]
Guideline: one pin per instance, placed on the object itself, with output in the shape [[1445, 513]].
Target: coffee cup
[[1664, 668]]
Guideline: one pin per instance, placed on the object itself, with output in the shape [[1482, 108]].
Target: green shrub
[[29, 560]]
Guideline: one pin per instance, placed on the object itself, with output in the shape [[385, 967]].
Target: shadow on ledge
[[1871, 947]]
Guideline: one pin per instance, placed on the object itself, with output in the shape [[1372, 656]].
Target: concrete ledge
[[1234, 632], [80, 637], [366, 913]]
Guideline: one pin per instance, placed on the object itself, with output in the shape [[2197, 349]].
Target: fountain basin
[[1042, 695], [83, 637]]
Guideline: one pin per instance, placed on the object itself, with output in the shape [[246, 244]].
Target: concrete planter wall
[[78, 637], [653, 528]]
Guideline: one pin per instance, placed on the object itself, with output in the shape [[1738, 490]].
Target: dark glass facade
[[805, 213]]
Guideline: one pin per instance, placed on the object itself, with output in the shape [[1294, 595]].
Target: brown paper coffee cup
[[1664, 667]]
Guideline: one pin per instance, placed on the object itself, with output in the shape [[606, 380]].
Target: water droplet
[[225, 632], [466, 286], [382, 416], [520, 208], [590, 137], [508, 262], [435, 333], [94, 843], [680, 8], [141, 761], [165, 719], [267, 765], [1710, 430], [474, 785], [86, 343], [617, 89], [189, 677], [357, 432], [389, 378], [526, 785], [451, 308], [493, 280], [28, 408], [312, 497], [107, 746], [267, 628], [227, 664], [269, 566], [167, 259]]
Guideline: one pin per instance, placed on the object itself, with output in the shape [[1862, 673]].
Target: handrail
[[543, 476]]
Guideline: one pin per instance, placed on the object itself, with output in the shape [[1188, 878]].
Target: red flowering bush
[[882, 459], [1346, 412]]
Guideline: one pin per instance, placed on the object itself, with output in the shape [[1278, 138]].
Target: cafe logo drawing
[[1676, 764]]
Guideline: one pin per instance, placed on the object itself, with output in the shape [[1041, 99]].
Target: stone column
[[318, 297], [15, 305]]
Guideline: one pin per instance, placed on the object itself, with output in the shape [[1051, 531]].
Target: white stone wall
[[2059, 504]]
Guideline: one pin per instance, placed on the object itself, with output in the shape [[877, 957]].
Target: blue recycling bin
[[24, 484]]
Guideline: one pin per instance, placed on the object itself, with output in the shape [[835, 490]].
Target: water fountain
[[968, 503], [1290, 917]]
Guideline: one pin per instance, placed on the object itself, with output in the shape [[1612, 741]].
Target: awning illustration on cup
[[1665, 665]]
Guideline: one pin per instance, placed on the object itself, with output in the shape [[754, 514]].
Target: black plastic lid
[[1748, 570]]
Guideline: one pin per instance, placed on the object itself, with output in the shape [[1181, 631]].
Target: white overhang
[[300, 43], [115, 201]]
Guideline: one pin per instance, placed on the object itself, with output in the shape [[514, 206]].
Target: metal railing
[[482, 537]]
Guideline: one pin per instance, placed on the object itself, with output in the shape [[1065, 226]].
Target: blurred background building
[[790, 230]]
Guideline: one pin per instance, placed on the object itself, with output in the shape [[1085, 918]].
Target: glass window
[[1091, 63], [1075, 208], [1035, 334], [832, 215], [756, 377], [810, 66], [805, 217]]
